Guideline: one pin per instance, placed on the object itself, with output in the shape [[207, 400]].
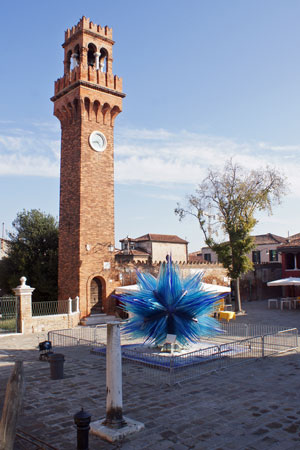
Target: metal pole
[[82, 420], [114, 401]]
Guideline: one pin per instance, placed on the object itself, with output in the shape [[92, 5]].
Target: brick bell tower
[[87, 100]]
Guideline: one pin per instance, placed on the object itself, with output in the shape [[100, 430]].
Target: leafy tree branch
[[225, 204]]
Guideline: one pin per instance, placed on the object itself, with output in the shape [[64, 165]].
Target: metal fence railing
[[8, 314], [74, 304], [279, 342], [232, 330], [50, 308], [70, 337], [182, 367], [179, 367]]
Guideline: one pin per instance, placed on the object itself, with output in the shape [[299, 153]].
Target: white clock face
[[98, 141]]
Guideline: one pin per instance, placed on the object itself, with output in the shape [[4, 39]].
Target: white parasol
[[205, 286], [291, 281]]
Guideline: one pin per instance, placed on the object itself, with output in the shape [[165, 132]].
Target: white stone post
[[97, 55], [77, 304], [74, 62], [24, 294], [69, 305], [114, 398], [114, 427]]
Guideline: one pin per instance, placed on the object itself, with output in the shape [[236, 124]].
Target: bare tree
[[224, 205]]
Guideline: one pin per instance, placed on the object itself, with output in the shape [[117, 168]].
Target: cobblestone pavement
[[250, 406]]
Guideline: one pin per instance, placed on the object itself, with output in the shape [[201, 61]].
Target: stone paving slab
[[246, 407]]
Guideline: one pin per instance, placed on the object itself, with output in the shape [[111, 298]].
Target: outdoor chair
[[285, 301], [272, 301], [295, 301]]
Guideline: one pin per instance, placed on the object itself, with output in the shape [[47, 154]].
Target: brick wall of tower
[[68, 282], [96, 209], [86, 196]]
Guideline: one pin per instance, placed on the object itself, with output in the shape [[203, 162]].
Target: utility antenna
[[2, 230], [209, 216]]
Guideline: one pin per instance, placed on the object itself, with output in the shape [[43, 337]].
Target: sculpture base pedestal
[[115, 434]]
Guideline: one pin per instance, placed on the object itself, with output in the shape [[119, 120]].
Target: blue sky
[[205, 80]]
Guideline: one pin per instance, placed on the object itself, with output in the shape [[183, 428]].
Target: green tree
[[224, 205], [33, 252]]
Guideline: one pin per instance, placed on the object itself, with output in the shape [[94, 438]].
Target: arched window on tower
[[103, 60], [91, 55]]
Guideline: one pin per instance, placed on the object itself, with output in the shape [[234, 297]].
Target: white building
[[153, 248]]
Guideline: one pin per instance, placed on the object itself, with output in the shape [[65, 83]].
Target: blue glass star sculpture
[[170, 304]]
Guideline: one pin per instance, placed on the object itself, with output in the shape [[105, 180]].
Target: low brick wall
[[49, 323], [214, 273]]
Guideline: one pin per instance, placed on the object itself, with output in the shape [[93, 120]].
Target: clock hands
[[97, 141]]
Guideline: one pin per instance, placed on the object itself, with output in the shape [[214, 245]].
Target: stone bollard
[[114, 427], [114, 399], [56, 366], [82, 421]]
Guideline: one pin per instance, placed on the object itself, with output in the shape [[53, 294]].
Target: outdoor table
[[272, 300], [285, 301], [295, 301], [227, 315]]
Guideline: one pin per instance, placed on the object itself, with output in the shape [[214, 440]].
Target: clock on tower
[[87, 100]]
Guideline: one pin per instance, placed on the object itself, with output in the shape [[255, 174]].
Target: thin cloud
[[153, 157], [28, 166], [279, 148], [29, 153], [184, 158], [144, 134], [167, 197], [6, 122]]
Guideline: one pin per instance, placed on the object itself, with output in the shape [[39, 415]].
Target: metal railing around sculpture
[[178, 368]]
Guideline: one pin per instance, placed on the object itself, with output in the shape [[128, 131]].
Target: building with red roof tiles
[[153, 248]]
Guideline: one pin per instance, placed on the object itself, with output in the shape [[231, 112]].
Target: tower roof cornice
[[86, 25], [91, 33], [88, 85]]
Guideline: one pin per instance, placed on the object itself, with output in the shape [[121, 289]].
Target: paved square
[[248, 406]]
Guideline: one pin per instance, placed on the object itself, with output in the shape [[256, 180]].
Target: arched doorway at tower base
[[97, 295]]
